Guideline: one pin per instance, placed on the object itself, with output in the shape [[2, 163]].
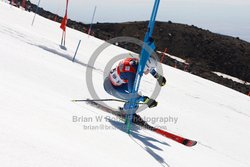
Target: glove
[[161, 80], [150, 102]]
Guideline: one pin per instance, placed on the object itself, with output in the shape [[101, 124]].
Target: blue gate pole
[[92, 20], [36, 12], [143, 59], [76, 50]]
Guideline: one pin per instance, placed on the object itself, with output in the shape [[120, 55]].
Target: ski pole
[[86, 100], [99, 100]]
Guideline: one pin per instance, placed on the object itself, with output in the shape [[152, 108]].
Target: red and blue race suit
[[120, 81]]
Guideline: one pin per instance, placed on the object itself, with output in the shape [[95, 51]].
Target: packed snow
[[232, 78], [41, 126], [174, 57]]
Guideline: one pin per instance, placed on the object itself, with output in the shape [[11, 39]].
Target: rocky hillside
[[203, 50]]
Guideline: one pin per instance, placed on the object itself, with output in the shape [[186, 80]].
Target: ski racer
[[120, 81]]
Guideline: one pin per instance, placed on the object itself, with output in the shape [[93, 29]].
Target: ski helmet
[[150, 64]]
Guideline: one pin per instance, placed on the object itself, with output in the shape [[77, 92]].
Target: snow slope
[[37, 126]]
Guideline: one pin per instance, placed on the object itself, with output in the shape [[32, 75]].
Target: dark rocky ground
[[203, 50]]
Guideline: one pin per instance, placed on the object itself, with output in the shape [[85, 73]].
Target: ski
[[137, 120], [179, 139]]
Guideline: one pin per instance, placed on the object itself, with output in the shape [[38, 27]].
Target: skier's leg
[[112, 90], [122, 93], [118, 91]]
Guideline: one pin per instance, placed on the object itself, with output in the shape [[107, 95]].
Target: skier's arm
[[153, 73], [161, 79]]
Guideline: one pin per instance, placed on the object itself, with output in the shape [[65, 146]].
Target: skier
[[120, 81]]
